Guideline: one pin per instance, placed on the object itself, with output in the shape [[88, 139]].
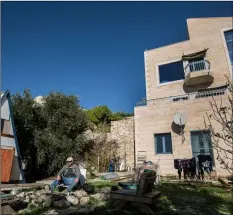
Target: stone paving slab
[[46, 181]]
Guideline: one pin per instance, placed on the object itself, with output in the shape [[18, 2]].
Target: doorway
[[202, 144]]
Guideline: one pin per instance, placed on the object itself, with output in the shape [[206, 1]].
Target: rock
[[80, 193], [42, 191], [101, 196], [50, 212], [84, 200], [27, 199], [47, 202], [21, 195], [97, 196], [34, 203], [72, 200], [61, 204], [105, 190], [16, 191], [41, 198], [32, 196], [86, 209], [69, 211], [30, 193], [47, 188]]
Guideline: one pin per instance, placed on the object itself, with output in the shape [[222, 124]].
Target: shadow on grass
[[107, 209], [193, 199], [180, 199]]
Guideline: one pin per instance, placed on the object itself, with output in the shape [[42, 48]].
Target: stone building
[[182, 78]]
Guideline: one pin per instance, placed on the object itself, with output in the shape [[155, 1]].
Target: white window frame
[[157, 72], [226, 49]]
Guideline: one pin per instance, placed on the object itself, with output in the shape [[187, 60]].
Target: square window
[[163, 143], [171, 72]]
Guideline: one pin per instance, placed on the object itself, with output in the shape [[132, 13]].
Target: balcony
[[198, 73], [217, 91]]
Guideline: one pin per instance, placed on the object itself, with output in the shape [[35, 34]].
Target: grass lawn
[[181, 199]]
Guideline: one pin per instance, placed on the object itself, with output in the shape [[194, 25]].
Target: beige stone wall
[[123, 132], [208, 36], [157, 117], [201, 27]]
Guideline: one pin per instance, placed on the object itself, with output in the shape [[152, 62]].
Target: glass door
[[201, 144]]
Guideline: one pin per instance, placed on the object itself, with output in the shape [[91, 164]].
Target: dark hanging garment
[[176, 163], [203, 158], [205, 164]]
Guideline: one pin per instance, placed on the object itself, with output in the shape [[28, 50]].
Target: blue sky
[[94, 50]]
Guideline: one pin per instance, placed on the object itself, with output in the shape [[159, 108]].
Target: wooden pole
[[98, 158]]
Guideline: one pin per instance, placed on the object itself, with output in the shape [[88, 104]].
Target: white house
[[9, 141]]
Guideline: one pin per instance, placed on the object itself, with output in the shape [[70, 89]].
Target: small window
[[163, 143], [171, 72], [229, 42]]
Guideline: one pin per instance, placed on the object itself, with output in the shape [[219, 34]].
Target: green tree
[[120, 115], [100, 114], [63, 135], [27, 117], [49, 132]]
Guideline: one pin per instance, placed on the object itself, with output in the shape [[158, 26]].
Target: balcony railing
[[185, 97], [197, 66]]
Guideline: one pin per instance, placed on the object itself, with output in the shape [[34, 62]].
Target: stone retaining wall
[[123, 132]]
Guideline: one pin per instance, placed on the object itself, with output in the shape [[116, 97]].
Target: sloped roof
[[4, 96], [195, 55]]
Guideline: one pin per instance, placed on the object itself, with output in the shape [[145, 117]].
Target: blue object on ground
[[109, 176], [128, 185]]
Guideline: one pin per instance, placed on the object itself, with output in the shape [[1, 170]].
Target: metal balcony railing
[[197, 66], [185, 97]]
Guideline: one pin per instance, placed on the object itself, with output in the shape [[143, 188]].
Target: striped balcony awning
[[194, 55]]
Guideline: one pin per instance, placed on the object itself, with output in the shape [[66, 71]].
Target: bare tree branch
[[220, 125]]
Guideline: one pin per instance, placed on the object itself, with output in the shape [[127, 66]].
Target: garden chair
[[140, 198]]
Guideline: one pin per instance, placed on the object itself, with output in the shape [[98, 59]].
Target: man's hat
[[69, 159]]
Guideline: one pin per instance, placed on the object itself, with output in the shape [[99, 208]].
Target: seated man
[[69, 175]]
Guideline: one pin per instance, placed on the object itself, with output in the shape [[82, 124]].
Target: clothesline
[[194, 167]]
